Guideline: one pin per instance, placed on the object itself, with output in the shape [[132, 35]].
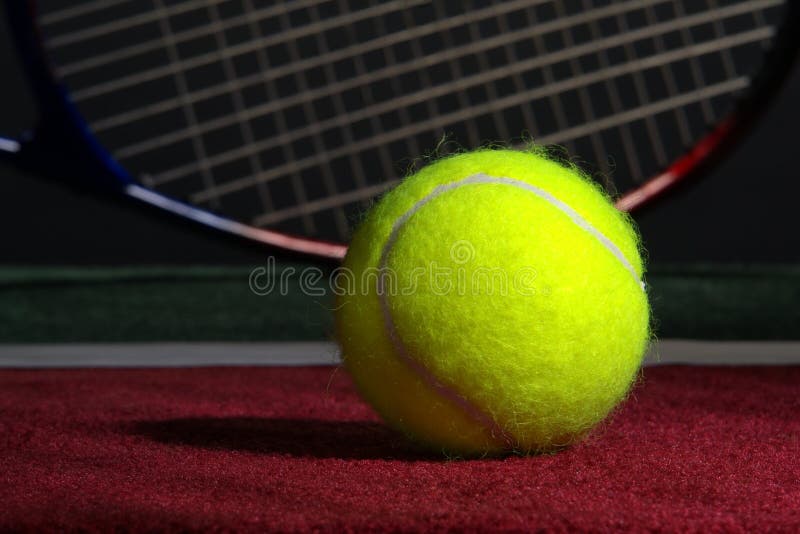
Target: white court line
[[76, 355]]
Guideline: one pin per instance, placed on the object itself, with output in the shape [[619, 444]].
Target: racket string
[[327, 103], [483, 78]]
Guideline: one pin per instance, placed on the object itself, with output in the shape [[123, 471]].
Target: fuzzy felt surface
[[695, 449], [514, 317]]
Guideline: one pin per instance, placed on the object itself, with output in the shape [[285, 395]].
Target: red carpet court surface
[[704, 449]]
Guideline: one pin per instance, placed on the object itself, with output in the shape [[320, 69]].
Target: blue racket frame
[[63, 148], [61, 139]]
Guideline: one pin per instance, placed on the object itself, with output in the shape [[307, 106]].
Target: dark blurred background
[[743, 213]]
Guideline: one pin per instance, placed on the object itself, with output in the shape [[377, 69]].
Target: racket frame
[[62, 140]]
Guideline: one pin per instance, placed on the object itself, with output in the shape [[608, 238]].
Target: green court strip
[[202, 303]]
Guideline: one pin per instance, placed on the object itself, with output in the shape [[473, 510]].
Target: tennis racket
[[281, 121]]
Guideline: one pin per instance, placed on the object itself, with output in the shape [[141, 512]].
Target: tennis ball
[[492, 303]]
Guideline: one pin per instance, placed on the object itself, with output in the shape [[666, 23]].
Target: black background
[[745, 211]]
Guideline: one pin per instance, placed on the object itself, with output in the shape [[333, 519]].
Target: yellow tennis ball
[[493, 302]]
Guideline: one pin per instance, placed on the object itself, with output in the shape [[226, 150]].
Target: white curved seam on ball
[[556, 203], [565, 208], [473, 411]]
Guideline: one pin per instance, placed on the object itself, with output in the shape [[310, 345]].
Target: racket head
[[68, 140]]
